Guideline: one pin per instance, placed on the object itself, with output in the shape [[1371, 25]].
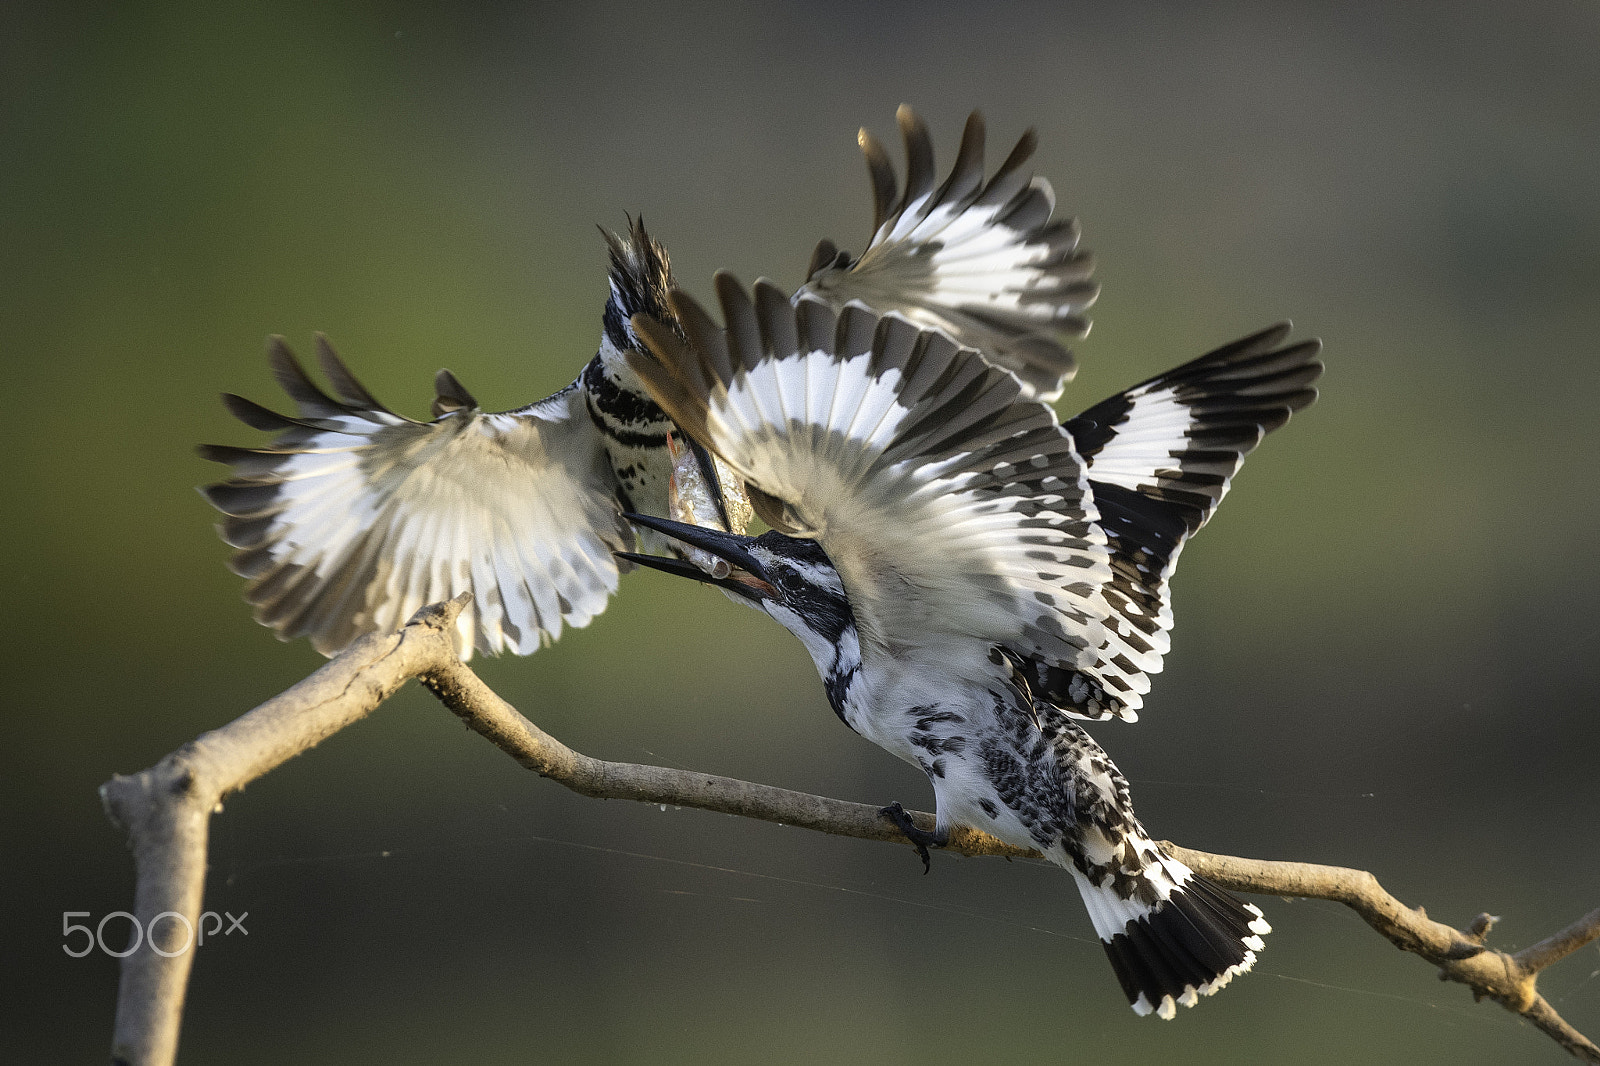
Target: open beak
[[745, 576]]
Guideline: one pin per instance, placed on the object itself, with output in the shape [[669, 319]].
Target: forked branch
[[166, 811]]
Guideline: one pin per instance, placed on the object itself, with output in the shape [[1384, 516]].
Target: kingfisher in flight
[[972, 577], [354, 517]]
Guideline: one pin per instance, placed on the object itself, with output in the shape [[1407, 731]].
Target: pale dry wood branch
[[1460, 955], [166, 810]]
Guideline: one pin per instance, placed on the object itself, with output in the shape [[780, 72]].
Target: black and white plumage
[[939, 549], [1160, 457], [980, 259], [354, 517]]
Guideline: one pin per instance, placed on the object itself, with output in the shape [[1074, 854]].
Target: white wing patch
[[983, 261], [356, 517], [1161, 456], [947, 503]]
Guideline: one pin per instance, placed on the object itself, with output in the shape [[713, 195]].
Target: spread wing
[[947, 503], [356, 517], [1161, 456], [981, 260]]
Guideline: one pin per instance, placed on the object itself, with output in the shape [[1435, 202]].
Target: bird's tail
[[1171, 935]]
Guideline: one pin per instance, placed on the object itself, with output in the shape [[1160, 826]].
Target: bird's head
[[790, 578]]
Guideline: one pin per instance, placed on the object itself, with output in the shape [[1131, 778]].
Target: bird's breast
[[920, 713]]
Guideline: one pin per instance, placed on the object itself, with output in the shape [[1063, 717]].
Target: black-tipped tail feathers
[[1188, 946]]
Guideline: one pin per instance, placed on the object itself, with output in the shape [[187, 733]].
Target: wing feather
[[1161, 457], [982, 261], [355, 517], [947, 501]]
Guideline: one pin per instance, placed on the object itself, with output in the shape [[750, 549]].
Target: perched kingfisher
[[970, 576], [354, 517]]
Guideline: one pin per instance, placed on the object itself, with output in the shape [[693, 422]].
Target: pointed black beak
[[747, 578]]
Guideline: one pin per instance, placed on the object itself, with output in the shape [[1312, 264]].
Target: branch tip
[[1479, 929], [441, 615]]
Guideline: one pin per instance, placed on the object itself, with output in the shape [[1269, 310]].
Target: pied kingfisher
[[969, 575], [355, 517]]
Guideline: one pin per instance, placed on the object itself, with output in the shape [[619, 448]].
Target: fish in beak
[[744, 575], [704, 492]]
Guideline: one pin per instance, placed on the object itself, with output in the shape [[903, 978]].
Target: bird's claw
[[920, 838]]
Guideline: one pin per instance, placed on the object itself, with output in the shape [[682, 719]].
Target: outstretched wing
[[1161, 457], [947, 503], [356, 517], [981, 260]]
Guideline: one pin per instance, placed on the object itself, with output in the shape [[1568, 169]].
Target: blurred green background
[[1386, 650]]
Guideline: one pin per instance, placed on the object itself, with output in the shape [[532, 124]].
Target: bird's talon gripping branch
[[920, 838]]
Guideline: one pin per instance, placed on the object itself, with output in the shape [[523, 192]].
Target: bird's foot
[[921, 838]]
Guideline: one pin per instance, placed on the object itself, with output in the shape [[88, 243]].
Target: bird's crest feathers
[[640, 277]]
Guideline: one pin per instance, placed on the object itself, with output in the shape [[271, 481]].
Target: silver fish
[[692, 499]]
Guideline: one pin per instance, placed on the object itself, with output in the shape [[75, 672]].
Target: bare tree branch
[[1460, 956], [166, 810], [1555, 948]]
